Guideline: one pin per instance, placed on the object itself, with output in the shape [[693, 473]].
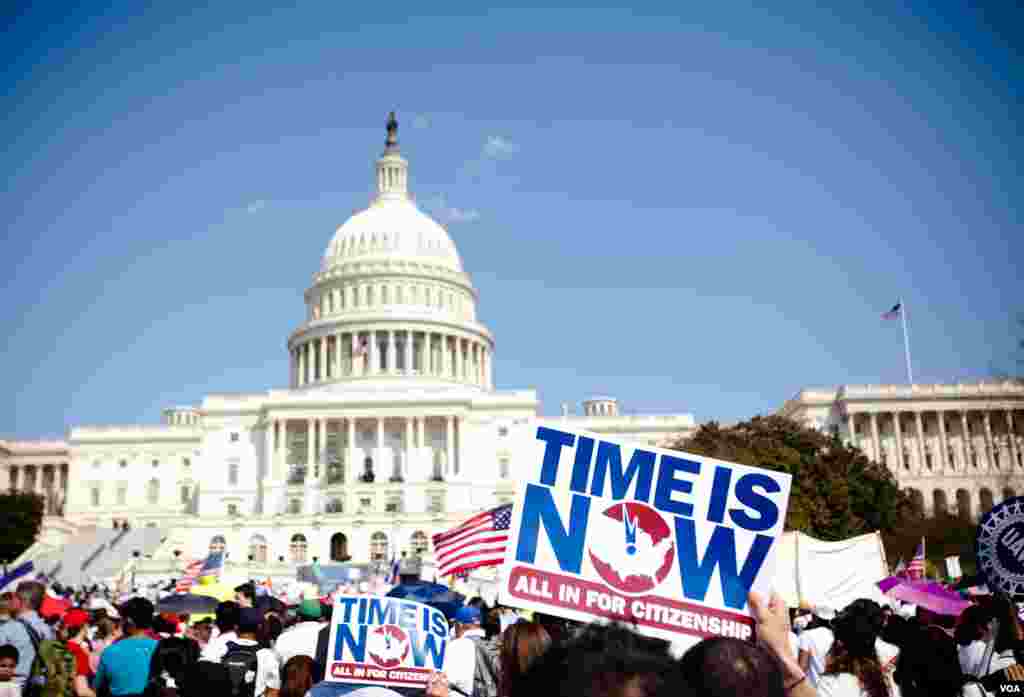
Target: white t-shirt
[[839, 685], [817, 643], [268, 670], [972, 657], [460, 660], [300, 640], [217, 647]]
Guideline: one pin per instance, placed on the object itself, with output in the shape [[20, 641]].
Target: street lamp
[[135, 564]]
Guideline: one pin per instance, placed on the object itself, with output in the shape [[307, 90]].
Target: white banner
[[811, 573]]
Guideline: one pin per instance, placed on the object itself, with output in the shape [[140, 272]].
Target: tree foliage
[[837, 491], [21, 517]]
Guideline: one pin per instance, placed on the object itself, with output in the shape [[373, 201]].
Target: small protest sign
[[666, 541], [385, 641], [1000, 546], [953, 569]]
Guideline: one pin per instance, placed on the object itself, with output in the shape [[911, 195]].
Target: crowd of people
[[250, 648]]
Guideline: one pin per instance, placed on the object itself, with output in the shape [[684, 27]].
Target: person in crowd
[[297, 676], [927, 665], [245, 660], [726, 667], [245, 595], [852, 668], [165, 625], [124, 666], [227, 624], [973, 635], [75, 622], [1009, 635], [171, 663], [31, 595], [461, 656], [814, 643], [201, 632], [301, 638], [8, 671], [16, 635], [521, 644], [771, 620], [206, 679], [272, 628], [107, 632]]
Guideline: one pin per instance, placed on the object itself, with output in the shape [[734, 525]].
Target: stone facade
[[955, 447]]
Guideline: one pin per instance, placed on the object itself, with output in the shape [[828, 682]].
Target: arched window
[[153, 491], [339, 547], [378, 547], [940, 505], [916, 500], [217, 544], [1009, 493], [258, 548], [298, 548], [986, 499], [963, 504], [419, 543]]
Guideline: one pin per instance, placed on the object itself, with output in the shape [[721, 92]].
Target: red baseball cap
[[75, 618]]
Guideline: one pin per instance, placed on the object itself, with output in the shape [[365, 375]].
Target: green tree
[[21, 516], [837, 491]]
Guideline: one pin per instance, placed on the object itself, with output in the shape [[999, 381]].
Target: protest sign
[[1000, 546], [385, 641], [666, 541], [953, 569]]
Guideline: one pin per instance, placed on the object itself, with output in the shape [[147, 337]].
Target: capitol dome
[[391, 299]]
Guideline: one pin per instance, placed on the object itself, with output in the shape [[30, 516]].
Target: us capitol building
[[389, 431]]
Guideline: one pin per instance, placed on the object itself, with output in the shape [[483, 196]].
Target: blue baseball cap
[[467, 615]]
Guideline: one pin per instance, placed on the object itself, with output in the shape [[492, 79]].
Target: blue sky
[[695, 209]]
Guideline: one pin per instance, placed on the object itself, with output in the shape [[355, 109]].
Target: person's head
[[108, 628], [467, 617], [138, 615], [202, 630], [245, 595], [8, 606], [297, 676], [725, 667], [272, 628], [605, 661], [8, 662], [227, 616], [974, 624], [75, 621], [31, 594], [165, 623], [1010, 631], [250, 622], [521, 644], [856, 629]]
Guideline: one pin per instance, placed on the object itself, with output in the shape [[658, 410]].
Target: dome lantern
[[392, 169]]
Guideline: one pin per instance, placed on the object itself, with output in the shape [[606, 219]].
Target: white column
[[353, 466], [279, 454], [449, 444], [851, 428], [322, 346], [337, 354], [965, 439], [899, 440], [310, 447], [268, 452], [943, 441], [301, 362], [422, 448], [321, 449], [445, 357], [392, 360], [1012, 436], [990, 446], [875, 440], [920, 441], [407, 458], [408, 352], [378, 458]]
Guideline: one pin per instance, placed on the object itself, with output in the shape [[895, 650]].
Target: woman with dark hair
[[521, 644], [296, 676], [852, 668], [724, 667], [973, 635]]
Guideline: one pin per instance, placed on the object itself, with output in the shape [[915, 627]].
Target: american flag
[[184, 583], [480, 541], [894, 313], [915, 569]]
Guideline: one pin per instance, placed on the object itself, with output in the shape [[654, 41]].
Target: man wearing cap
[[460, 656], [268, 671], [815, 643], [300, 640], [75, 622], [124, 665]]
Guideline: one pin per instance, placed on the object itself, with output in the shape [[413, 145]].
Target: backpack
[[53, 668], [172, 660], [242, 663], [486, 672]]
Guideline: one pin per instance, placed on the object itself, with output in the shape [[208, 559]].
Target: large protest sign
[[670, 542], [385, 641], [1000, 546]]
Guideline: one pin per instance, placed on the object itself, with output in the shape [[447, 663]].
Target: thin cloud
[[497, 147], [256, 206], [438, 205]]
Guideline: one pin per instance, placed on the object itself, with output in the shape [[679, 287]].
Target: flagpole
[[906, 340]]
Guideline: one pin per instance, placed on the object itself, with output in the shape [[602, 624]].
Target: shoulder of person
[[838, 685]]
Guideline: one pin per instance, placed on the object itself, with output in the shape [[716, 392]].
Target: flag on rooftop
[[480, 541]]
